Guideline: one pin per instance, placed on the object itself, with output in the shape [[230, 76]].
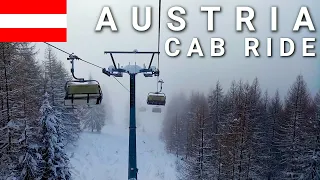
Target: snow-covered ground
[[105, 156]]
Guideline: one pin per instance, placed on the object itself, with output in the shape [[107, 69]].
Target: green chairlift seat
[[142, 109], [156, 110], [156, 98], [82, 93]]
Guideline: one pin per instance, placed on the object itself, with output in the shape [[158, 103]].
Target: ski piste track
[[104, 156]]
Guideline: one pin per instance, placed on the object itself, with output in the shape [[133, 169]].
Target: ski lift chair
[[142, 109], [156, 110], [156, 98], [83, 93]]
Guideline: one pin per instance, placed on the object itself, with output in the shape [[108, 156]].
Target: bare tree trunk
[[176, 141], [202, 144], [234, 160], [187, 150], [7, 97], [248, 170], [219, 162]]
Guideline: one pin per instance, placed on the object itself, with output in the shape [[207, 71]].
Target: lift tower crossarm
[[71, 58], [132, 52]]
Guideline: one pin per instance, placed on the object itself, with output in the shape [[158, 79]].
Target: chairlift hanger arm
[[72, 72], [73, 57], [161, 82]]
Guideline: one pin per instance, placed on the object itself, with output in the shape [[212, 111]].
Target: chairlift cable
[[159, 23], [121, 84], [57, 48], [157, 98]]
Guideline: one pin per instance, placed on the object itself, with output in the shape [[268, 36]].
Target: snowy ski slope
[[105, 156]]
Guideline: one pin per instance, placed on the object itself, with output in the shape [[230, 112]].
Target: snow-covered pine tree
[[261, 140], [240, 127], [95, 117], [182, 123], [7, 125], [236, 151], [258, 131], [297, 140], [174, 126], [55, 79], [198, 164], [19, 89], [227, 151], [228, 137], [168, 124], [276, 116], [28, 101], [313, 166], [26, 90], [215, 100], [30, 160], [55, 163], [217, 122]]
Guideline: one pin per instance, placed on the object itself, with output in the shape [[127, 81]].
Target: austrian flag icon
[[33, 21]]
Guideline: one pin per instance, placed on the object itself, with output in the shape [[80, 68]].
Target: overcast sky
[[185, 73]]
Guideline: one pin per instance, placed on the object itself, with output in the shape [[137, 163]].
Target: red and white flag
[[33, 21]]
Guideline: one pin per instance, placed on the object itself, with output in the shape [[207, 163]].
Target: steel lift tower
[[132, 70]]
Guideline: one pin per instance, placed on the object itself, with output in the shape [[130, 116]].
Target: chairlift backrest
[[157, 96], [156, 99], [83, 89], [83, 93], [142, 109], [156, 110]]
